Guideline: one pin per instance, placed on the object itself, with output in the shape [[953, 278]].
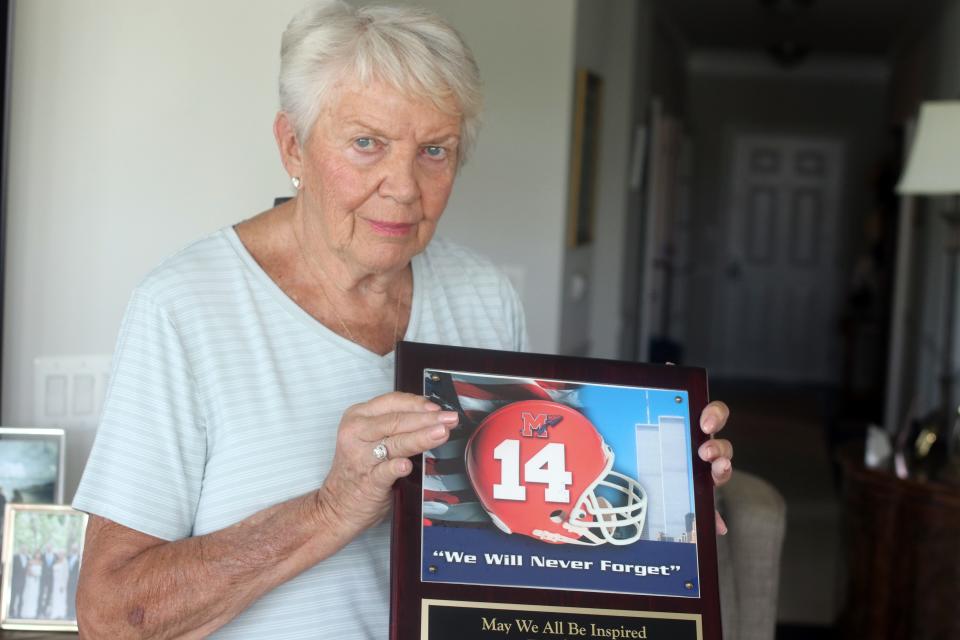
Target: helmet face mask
[[537, 467], [597, 521]]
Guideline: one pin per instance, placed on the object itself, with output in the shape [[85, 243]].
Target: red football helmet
[[536, 465]]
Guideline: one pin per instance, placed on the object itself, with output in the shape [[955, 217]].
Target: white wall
[[605, 42], [137, 126]]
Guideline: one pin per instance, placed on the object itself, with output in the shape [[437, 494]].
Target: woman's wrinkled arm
[[133, 585]]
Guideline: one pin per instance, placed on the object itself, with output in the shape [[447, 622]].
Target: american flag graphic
[[448, 497]]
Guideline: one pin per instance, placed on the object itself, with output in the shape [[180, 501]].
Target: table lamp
[[933, 169]]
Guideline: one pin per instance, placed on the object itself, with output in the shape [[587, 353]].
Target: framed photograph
[[569, 501], [42, 548], [31, 466], [584, 157]]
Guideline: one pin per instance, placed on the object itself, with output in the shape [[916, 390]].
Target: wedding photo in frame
[[568, 500], [42, 549]]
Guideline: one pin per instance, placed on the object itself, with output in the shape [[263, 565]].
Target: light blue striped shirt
[[225, 398]]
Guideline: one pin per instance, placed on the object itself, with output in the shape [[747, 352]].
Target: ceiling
[[848, 27]]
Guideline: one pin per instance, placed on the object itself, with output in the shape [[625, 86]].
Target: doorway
[[781, 277]]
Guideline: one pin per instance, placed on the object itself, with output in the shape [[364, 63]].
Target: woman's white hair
[[409, 48]]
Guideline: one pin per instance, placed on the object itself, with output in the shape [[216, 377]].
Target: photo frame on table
[[568, 502], [42, 550], [31, 466]]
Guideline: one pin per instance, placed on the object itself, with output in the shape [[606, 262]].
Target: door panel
[[780, 286]]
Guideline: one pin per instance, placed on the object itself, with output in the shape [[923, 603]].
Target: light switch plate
[[68, 391]]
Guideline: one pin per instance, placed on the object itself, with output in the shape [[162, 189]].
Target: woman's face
[[376, 174]]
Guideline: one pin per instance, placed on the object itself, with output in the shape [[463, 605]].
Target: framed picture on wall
[[31, 466], [42, 548], [584, 157]]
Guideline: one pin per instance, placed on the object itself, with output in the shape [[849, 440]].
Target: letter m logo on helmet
[[537, 424]]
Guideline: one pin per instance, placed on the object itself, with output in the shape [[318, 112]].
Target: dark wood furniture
[[903, 549]]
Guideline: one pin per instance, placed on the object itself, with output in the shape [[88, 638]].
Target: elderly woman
[[233, 487]]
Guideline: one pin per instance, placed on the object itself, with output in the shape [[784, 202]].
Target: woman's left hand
[[717, 451]]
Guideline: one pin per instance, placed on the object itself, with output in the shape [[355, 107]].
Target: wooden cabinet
[[903, 550]]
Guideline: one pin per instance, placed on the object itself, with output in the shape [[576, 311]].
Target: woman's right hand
[[357, 490], [132, 583]]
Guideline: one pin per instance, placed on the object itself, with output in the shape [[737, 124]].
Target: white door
[[781, 280]]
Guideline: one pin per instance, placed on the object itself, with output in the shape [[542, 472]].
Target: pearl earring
[[296, 182]]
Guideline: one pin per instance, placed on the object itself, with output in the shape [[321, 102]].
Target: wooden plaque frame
[[425, 610]]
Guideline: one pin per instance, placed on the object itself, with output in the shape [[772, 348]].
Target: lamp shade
[[933, 167]]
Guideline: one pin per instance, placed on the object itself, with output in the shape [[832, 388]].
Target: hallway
[[780, 433]]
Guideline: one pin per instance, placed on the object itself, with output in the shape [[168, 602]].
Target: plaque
[[568, 503]]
